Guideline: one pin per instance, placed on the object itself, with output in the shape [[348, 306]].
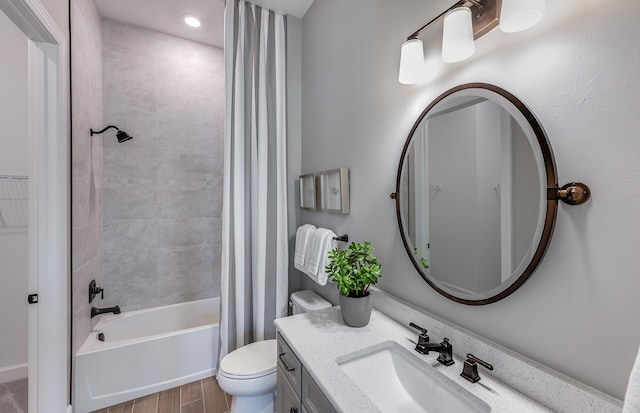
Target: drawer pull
[[285, 364], [293, 410]]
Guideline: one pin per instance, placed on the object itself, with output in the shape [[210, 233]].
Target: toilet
[[249, 373]]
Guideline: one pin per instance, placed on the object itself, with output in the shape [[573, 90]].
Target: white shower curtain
[[254, 278]]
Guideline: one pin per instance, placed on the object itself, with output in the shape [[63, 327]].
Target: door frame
[[49, 233]]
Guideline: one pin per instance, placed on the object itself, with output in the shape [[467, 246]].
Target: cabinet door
[[313, 400], [287, 400], [291, 366]]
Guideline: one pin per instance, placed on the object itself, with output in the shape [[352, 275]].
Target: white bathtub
[[146, 351]]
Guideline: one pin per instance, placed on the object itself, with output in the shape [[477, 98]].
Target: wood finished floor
[[202, 396]]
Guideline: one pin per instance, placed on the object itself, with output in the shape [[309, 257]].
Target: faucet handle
[[95, 290], [417, 327], [470, 369], [423, 339]]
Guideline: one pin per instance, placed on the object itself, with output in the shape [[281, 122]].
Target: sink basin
[[397, 381]]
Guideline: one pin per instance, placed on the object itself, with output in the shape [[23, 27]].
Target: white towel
[[632, 397], [327, 246], [314, 250], [303, 234], [320, 242]]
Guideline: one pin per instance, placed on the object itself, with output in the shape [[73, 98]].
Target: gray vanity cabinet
[[287, 400], [296, 391], [313, 400]]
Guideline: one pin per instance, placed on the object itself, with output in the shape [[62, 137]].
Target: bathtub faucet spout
[[97, 311]]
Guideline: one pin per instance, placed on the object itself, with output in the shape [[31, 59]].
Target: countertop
[[318, 338]]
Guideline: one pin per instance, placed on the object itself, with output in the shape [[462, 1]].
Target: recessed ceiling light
[[191, 20]]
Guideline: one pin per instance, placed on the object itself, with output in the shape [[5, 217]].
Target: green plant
[[354, 269], [422, 261]]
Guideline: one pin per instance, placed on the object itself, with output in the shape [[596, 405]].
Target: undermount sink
[[397, 381]]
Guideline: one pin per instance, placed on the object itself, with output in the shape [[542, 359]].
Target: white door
[[14, 216], [48, 209]]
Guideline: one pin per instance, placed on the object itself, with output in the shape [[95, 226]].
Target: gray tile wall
[[163, 189], [86, 163]]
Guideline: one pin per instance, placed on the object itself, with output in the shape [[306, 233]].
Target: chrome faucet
[[425, 347], [97, 311]]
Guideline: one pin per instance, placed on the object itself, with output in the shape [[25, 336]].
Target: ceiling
[[166, 15]]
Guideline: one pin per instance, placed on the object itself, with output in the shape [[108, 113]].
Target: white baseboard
[[15, 372], [69, 409]]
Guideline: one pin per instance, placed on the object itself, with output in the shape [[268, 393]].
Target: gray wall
[[86, 163], [163, 189], [577, 72]]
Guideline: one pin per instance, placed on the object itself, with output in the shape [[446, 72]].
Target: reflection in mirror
[[471, 195]]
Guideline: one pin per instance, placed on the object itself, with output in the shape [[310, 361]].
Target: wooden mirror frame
[[551, 197]]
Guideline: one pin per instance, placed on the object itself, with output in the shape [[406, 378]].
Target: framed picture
[[333, 191], [308, 192]]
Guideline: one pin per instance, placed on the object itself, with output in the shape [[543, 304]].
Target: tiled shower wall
[[163, 188], [86, 163]]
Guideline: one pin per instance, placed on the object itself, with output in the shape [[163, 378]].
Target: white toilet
[[249, 373]]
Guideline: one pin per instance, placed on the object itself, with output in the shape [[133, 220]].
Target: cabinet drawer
[[291, 367], [287, 401], [313, 400]]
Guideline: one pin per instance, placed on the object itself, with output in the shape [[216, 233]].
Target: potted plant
[[354, 270]]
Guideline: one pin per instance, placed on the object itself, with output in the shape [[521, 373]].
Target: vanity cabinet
[[287, 400], [296, 391]]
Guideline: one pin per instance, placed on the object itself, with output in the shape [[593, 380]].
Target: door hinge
[[32, 298]]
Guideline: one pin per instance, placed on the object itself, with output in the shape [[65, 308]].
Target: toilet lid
[[255, 359]]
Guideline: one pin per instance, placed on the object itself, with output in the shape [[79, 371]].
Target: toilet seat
[[250, 386], [249, 370], [252, 361]]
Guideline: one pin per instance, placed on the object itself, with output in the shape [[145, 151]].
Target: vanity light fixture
[[457, 35], [519, 15], [411, 62], [464, 22], [191, 20]]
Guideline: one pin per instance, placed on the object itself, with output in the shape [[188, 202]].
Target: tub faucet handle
[[95, 290]]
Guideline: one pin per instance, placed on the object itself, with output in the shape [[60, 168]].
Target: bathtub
[[146, 351]]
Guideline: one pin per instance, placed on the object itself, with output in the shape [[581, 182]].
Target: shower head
[[121, 135]]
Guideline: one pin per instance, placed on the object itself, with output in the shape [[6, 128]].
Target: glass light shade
[[457, 35], [411, 62], [519, 15]]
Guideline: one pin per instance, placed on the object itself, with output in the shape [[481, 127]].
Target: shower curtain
[[254, 279]]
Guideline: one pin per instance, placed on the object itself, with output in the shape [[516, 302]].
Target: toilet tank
[[307, 300]]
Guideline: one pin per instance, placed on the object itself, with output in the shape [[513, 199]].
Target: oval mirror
[[471, 194]]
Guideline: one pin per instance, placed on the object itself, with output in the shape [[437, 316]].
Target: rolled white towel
[[632, 397], [303, 233]]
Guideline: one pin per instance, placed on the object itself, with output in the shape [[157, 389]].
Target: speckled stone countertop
[[319, 338]]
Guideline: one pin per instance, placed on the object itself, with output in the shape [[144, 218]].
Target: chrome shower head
[[121, 135]]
